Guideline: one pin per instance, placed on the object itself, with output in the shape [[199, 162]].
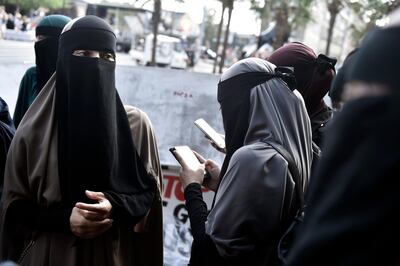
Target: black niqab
[[46, 51], [354, 196], [95, 147], [378, 59], [234, 97]]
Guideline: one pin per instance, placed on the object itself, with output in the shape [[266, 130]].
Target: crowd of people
[[15, 21], [81, 175]]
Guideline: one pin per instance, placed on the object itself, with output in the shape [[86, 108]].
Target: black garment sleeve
[[34, 217], [124, 206], [204, 251], [197, 210], [22, 104]]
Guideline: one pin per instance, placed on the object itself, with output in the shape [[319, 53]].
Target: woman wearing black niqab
[[255, 197], [75, 185], [46, 50], [352, 215]]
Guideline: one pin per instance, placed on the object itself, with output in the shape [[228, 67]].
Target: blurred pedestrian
[[314, 75], [255, 192], [354, 198], [10, 24], [46, 50], [77, 184]]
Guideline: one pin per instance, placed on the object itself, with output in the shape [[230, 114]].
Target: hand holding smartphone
[[185, 154], [213, 135], [193, 170], [189, 158]]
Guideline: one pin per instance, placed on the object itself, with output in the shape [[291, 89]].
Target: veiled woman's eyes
[[95, 54], [107, 56]]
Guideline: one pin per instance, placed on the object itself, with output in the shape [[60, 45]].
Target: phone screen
[[210, 132], [187, 155]]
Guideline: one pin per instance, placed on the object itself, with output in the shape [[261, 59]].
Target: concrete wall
[[173, 99]]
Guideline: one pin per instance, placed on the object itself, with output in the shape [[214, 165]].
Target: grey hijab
[[257, 190]]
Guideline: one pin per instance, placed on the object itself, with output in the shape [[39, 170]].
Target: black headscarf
[[234, 98], [340, 80], [354, 197], [95, 147], [378, 59], [46, 50]]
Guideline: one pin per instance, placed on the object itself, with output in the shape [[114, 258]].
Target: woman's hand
[[98, 211], [215, 145], [91, 220], [189, 174], [84, 228], [213, 169]]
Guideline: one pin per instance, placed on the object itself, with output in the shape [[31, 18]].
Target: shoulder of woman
[[31, 71], [135, 114], [256, 154], [30, 74]]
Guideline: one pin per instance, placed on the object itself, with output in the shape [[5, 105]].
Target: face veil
[[46, 50], [95, 148]]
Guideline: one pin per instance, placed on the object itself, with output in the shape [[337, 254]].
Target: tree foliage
[[288, 15], [298, 10], [370, 12]]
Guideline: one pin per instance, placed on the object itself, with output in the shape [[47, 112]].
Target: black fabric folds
[[197, 210], [46, 58], [340, 80], [353, 198], [235, 112], [95, 148], [7, 132], [378, 51], [5, 114]]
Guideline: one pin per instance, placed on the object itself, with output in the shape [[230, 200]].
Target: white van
[[169, 52]]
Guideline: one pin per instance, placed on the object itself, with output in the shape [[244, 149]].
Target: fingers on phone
[[179, 158], [199, 157]]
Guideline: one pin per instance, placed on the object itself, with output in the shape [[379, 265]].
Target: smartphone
[[187, 155], [190, 158], [210, 133]]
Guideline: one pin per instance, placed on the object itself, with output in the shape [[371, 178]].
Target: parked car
[[169, 52], [124, 45]]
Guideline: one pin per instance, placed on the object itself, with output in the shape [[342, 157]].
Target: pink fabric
[[312, 84]]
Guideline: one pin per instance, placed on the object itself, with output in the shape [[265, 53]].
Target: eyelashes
[[95, 54]]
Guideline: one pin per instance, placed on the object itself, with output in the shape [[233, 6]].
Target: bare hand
[[190, 175], [213, 169], [98, 211], [84, 228], [215, 145]]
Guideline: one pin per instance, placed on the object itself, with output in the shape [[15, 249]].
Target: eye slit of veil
[[94, 54]]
